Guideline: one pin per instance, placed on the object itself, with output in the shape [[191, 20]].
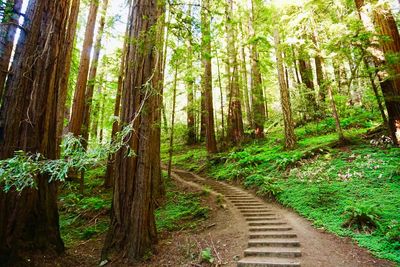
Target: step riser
[[270, 229], [273, 254], [274, 244], [258, 236], [266, 223], [262, 218], [244, 212], [258, 214], [244, 264], [241, 206]]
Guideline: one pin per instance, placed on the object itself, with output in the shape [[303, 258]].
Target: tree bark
[[8, 29], [66, 69], [78, 106], [171, 136], [222, 101], [208, 111], [257, 92], [108, 181], [29, 219], [306, 74], [92, 74], [385, 25], [132, 230], [190, 81], [290, 138], [235, 117], [376, 93]]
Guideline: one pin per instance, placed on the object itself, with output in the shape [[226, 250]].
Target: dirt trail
[[279, 237]]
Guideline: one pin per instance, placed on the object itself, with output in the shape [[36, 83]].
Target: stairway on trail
[[271, 241]]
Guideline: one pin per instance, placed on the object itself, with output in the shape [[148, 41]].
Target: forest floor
[[213, 231], [195, 227]]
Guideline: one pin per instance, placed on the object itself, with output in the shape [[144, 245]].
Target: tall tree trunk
[[78, 106], [208, 113], [332, 101], [171, 136], [246, 89], [306, 74], [235, 117], [66, 69], [319, 69], [222, 100], [259, 110], [108, 181], [132, 230], [335, 115], [92, 74], [8, 29], [290, 138], [385, 25], [29, 219], [376, 92], [190, 81]]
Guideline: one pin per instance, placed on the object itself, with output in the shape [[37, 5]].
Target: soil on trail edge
[[279, 237]]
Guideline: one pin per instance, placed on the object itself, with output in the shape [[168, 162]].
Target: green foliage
[[83, 217], [21, 171], [181, 211], [361, 217], [207, 256], [338, 189]]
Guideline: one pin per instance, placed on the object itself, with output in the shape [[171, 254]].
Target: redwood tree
[[235, 117], [8, 29], [93, 73], [290, 138], [29, 219], [207, 97], [384, 23], [132, 230], [78, 106], [259, 111], [65, 68]]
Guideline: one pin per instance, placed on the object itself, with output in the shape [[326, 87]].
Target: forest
[[199, 133]]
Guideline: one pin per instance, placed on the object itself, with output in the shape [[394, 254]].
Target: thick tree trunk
[[257, 92], [66, 69], [190, 81], [78, 106], [306, 74], [8, 29], [290, 138], [208, 111], [108, 181], [385, 25], [246, 90], [132, 231], [29, 219], [235, 117], [92, 74]]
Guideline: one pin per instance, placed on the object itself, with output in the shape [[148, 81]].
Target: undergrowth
[[182, 210], [351, 191]]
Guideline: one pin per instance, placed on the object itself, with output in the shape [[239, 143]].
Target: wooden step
[[264, 223], [268, 262], [272, 234], [269, 228], [261, 218], [274, 242], [278, 252], [257, 215]]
